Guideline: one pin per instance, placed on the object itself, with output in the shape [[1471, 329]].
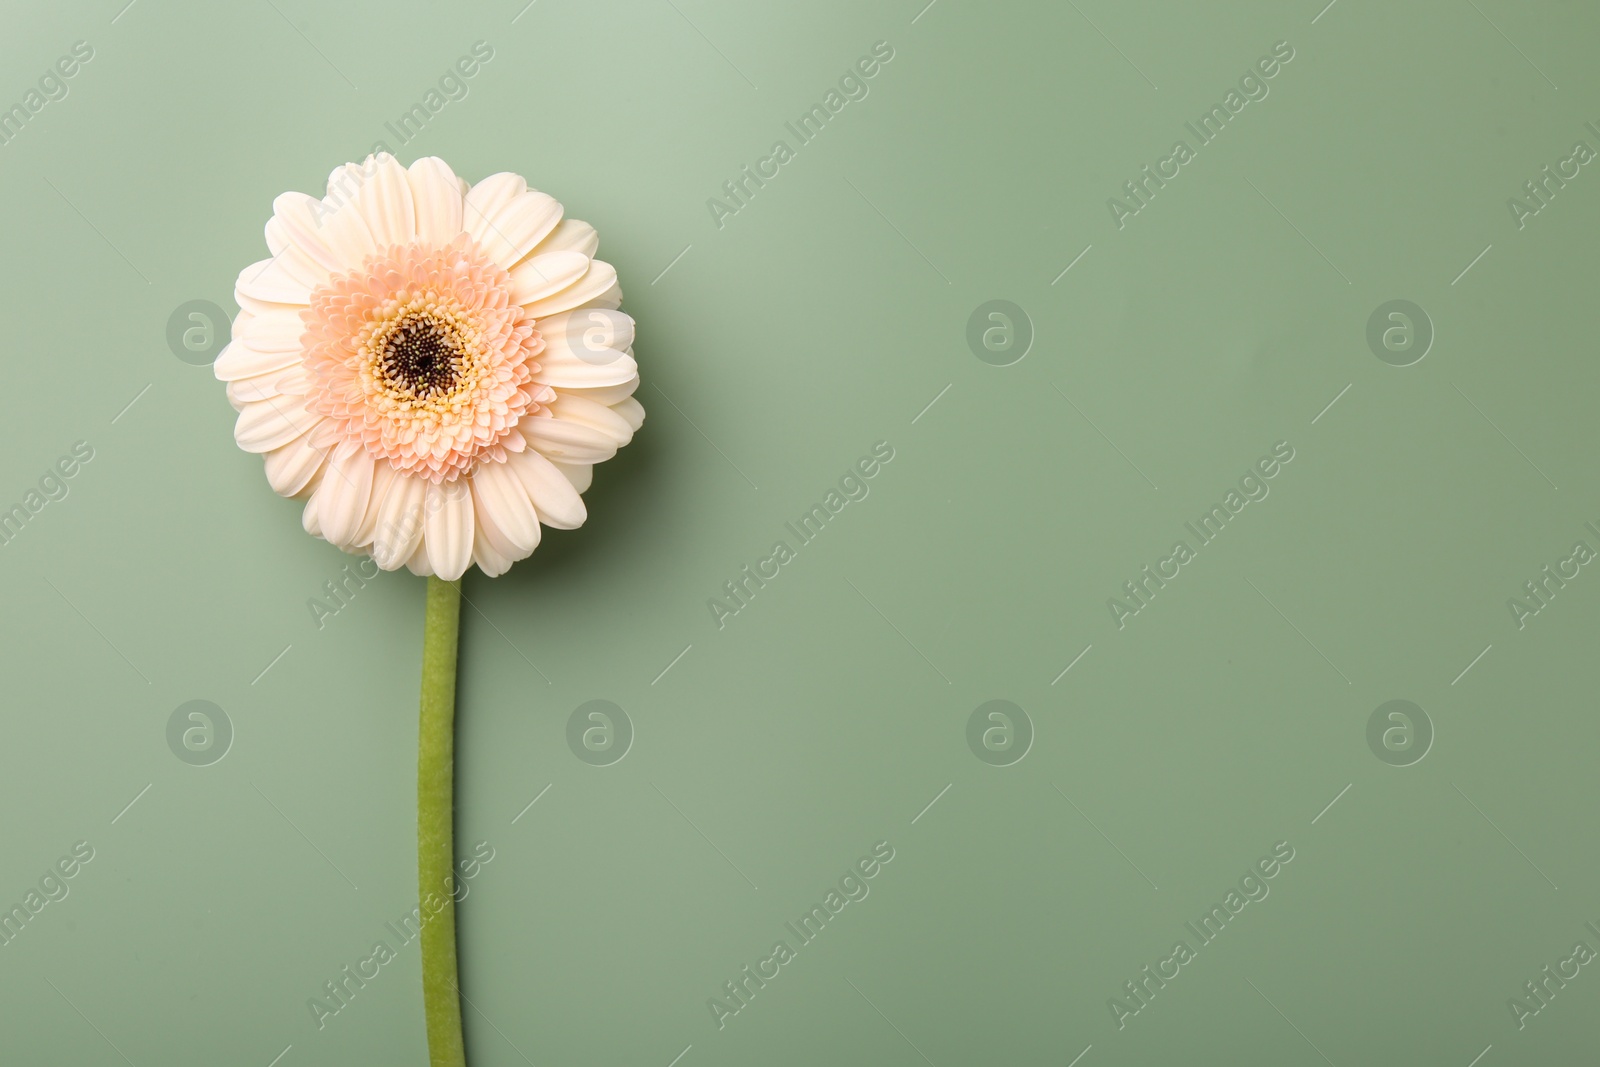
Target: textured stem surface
[[441, 997]]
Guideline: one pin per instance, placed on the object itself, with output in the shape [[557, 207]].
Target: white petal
[[308, 517], [611, 298], [419, 564], [447, 524], [591, 330], [502, 506], [581, 475], [631, 410], [292, 468], [512, 231], [597, 417], [545, 275], [557, 438], [487, 533], [573, 235], [490, 560], [328, 235], [272, 424], [436, 195], [269, 280], [341, 219], [557, 502], [380, 190], [484, 200], [290, 258], [278, 331], [251, 305], [345, 491], [295, 383], [599, 279], [609, 395], [298, 218], [242, 391], [398, 531], [239, 360], [383, 474], [561, 365]]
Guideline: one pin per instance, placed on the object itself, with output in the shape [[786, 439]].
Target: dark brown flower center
[[422, 357]]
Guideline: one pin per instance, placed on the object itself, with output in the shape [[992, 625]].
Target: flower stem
[[441, 996]]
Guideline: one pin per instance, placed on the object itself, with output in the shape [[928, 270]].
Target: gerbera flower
[[433, 367]]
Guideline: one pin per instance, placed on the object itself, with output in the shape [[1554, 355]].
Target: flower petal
[[557, 502], [572, 235], [512, 231], [545, 275], [609, 395], [436, 196], [590, 330], [278, 331], [342, 218], [398, 531], [419, 564], [596, 282], [292, 468], [239, 360], [290, 258], [562, 366], [581, 475], [503, 508], [558, 438], [332, 237], [271, 424], [489, 559], [381, 191], [251, 306], [484, 201], [631, 410], [298, 218], [562, 370], [345, 491], [447, 524], [383, 475], [611, 298], [598, 417], [270, 280], [242, 391], [297, 382]]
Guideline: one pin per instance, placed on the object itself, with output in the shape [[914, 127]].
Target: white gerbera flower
[[434, 367]]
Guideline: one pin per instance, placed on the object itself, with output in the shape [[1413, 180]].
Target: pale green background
[[821, 319]]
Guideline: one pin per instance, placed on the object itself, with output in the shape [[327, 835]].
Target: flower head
[[433, 367]]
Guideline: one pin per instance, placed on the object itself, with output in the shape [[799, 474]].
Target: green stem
[[441, 995]]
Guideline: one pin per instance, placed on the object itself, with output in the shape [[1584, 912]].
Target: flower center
[[422, 357]]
